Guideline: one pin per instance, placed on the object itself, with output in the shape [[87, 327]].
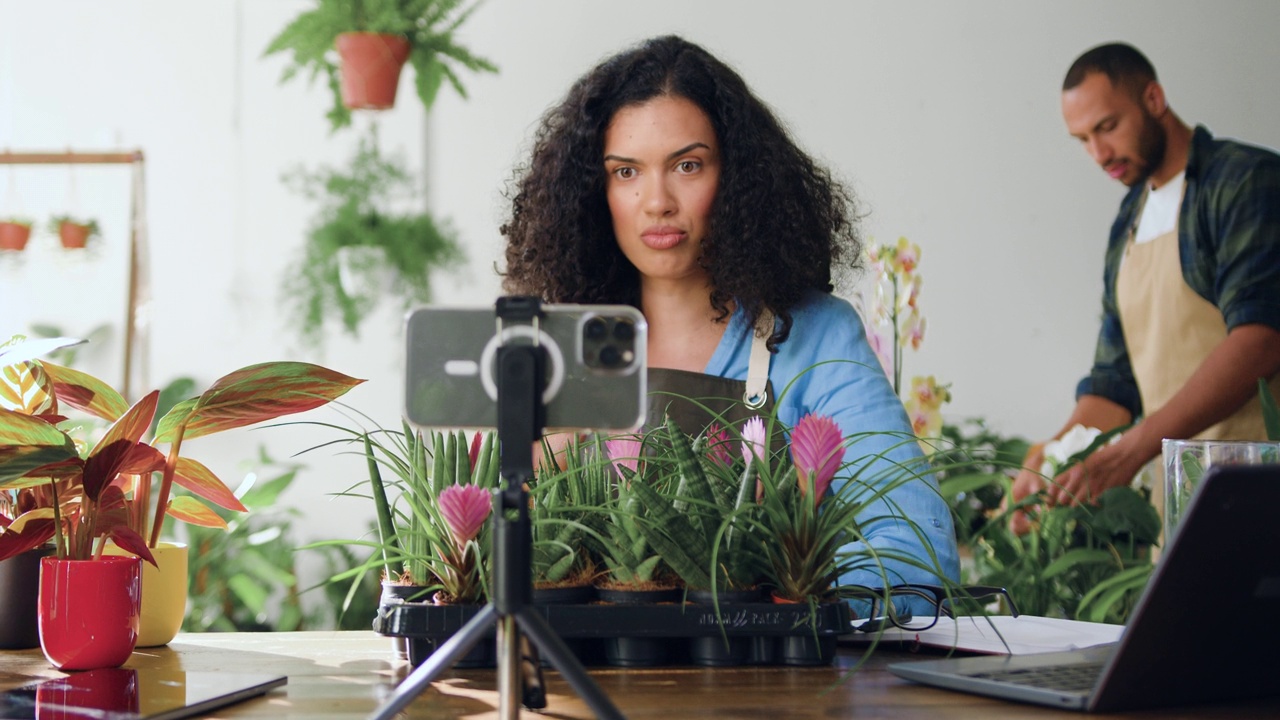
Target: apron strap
[[757, 393]]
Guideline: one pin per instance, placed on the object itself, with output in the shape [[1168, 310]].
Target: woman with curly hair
[[662, 182]]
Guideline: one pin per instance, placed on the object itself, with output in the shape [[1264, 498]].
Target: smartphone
[[595, 365]]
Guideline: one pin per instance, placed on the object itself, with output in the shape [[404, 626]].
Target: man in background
[[1191, 298]]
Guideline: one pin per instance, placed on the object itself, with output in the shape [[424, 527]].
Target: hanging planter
[[370, 70], [74, 234], [363, 272], [14, 234]]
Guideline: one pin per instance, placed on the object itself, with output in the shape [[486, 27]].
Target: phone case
[[449, 349]]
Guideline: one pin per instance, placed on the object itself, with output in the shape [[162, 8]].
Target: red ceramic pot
[[371, 64], [89, 611]]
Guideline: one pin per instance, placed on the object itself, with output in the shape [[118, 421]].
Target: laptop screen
[[130, 694]]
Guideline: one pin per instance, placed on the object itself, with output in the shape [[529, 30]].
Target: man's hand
[[1108, 467]]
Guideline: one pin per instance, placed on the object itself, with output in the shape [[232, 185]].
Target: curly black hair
[[780, 225]]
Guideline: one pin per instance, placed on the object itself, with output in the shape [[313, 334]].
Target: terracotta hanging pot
[[73, 235], [89, 611], [371, 64], [14, 236], [164, 593]]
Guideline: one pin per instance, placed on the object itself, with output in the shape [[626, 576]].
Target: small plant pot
[[371, 64], [637, 651], [627, 596], [807, 650], [14, 236], [569, 595], [719, 650], [706, 597], [763, 650], [395, 592], [164, 593], [89, 611], [19, 578], [74, 236]]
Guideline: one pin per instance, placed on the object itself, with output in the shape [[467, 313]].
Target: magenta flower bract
[[718, 445], [624, 452], [465, 508], [473, 453], [817, 448], [753, 439]]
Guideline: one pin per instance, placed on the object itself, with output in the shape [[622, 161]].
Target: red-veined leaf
[[130, 541], [111, 452], [142, 459], [19, 523], [191, 510], [27, 443], [26, 387], [254, 394], [34, 535], [86, 392], [200, 480]]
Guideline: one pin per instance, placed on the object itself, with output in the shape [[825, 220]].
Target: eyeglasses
[[900, 605]]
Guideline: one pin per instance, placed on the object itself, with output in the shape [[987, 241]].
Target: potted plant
[[359, 47], [110, 491], [400, 248], [74, 233], [14, 233]]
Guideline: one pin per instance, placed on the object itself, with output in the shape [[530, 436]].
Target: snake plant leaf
[[113, 451], [673, 536], [254, 394], [201, 481], [190, 510], [28, 444], [85, 392]]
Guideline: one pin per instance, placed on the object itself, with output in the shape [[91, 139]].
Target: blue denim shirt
[[1228, 242], [859, 397]]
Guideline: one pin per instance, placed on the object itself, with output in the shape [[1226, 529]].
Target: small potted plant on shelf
[[74, 233], [14, 233], [359, 46], [358, 248], [107, 492]]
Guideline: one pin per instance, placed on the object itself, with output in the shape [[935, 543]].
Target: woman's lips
[[662, 238]]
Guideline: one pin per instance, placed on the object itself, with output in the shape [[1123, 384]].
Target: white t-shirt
[[1160, 213]]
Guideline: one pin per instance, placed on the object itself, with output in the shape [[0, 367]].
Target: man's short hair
[[1123, 64]]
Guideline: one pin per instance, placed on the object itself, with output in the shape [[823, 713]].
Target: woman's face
[[663, 163]]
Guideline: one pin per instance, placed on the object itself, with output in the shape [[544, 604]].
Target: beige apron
[[1169, 330]]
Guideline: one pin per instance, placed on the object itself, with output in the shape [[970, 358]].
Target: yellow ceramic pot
[[164, 593]]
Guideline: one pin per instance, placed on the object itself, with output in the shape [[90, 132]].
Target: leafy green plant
[[969, 459], [428, 25], [355, 213], [55, 223]]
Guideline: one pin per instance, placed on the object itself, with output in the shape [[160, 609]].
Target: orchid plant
[[82, 495]]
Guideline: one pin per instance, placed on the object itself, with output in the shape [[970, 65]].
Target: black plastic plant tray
[[646, 635]]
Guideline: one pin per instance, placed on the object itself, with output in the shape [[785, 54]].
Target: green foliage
[[55, 224], [354, 212], [1270, 411], [1083, 562], [244, 578], [429, 26]]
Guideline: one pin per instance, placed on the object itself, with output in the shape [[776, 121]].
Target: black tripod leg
[[562, 659], [442, 659]]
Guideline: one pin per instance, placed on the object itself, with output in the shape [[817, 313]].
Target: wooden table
[[343, 675]]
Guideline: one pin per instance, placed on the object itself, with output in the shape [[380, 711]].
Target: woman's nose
[[658, 198]]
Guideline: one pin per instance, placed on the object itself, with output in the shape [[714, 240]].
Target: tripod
[[521, 412]]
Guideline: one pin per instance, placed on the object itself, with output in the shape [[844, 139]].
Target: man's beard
[[1152, 144]]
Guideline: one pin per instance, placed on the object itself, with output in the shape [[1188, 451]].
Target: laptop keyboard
[[1066, 678]]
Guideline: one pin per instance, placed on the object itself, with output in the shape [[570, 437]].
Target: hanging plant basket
[[14, 235], [371, 64]]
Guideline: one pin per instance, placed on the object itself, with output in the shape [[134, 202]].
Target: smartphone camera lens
[[596, 329], [624, 331], [609, 356]]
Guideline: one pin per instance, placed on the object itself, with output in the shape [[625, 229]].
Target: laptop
[[129, 694], [1207, 627]]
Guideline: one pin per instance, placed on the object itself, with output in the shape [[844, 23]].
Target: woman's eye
[[688, 166], [624, 173]]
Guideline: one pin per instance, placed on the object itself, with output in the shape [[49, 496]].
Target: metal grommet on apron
[[694, 400]]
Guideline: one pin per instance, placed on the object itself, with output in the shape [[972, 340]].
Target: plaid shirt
[[1229, 243]]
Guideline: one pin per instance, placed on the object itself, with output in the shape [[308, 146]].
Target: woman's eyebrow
[[672, 156]]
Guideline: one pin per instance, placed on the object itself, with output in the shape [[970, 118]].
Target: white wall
[[943, 116]]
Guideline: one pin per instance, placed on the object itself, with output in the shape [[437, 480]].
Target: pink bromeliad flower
[[465, 508], [624, 452], [753, 440], [473, 454], [718, 445], [817, 448]]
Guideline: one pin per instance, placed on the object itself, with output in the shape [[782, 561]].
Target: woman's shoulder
[[824, 318]]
